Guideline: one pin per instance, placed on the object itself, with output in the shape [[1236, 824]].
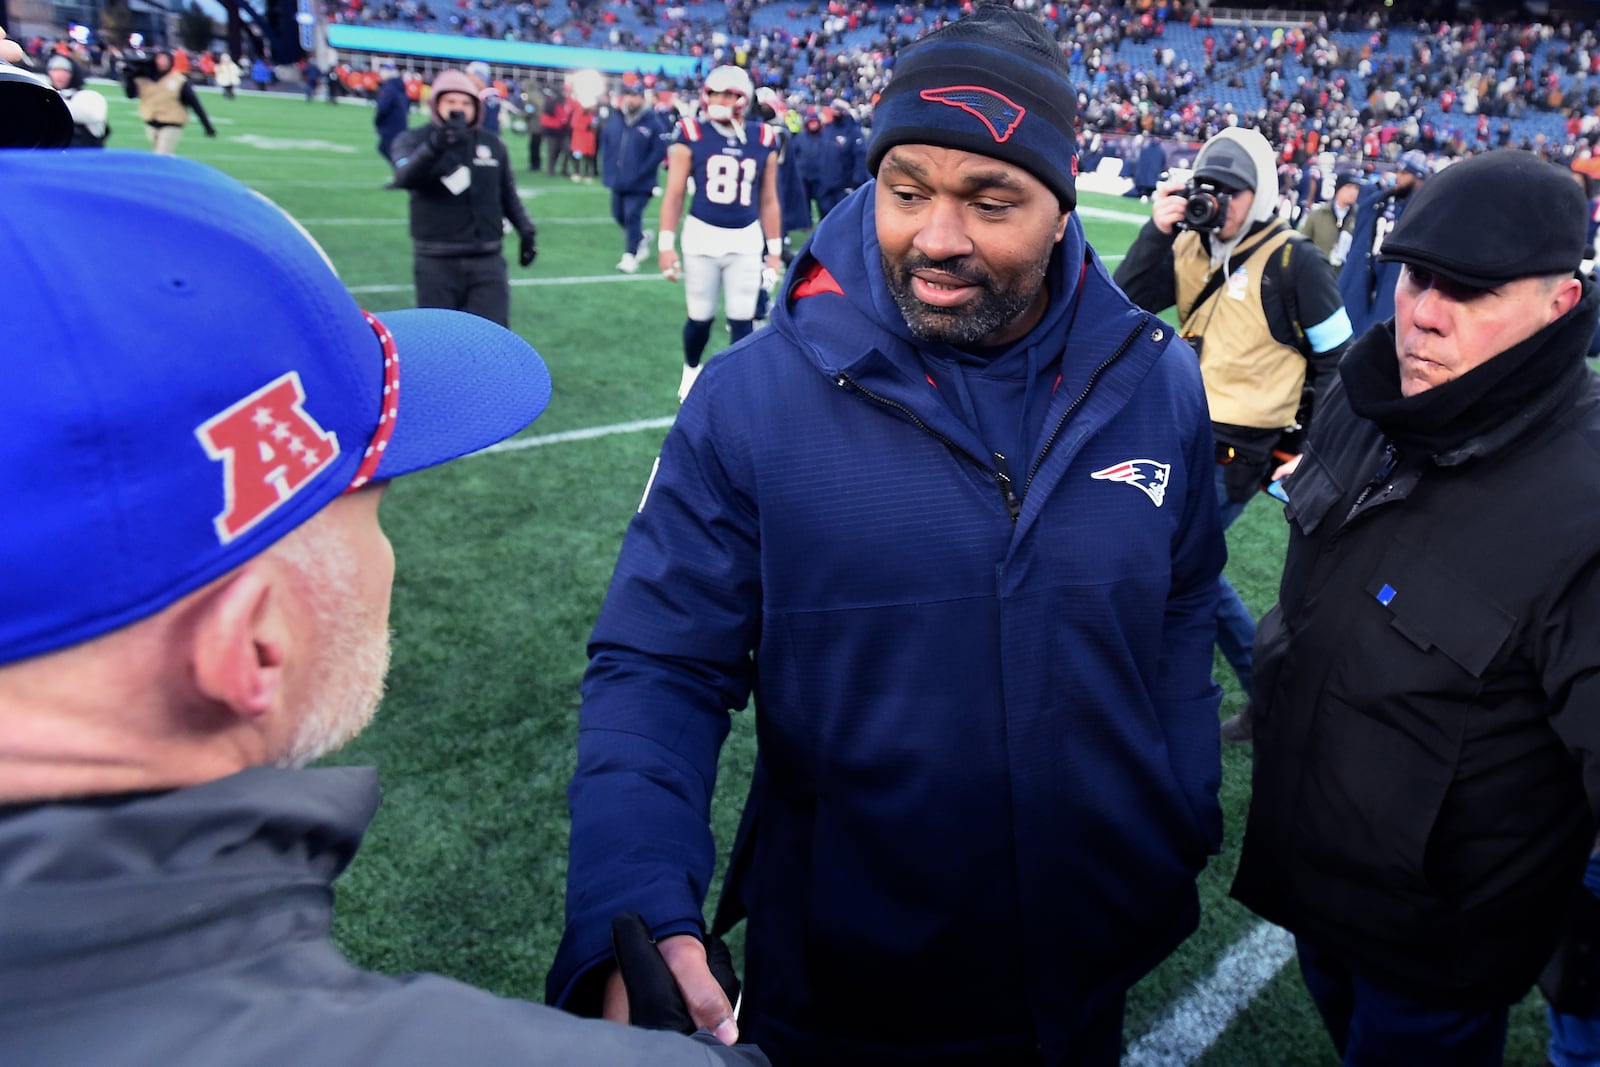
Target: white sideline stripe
[[589, 433], [1193, 1025], [1111, 215], [520, 282]]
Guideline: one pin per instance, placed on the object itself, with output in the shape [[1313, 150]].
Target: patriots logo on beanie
[[997, 65], [996, 111]]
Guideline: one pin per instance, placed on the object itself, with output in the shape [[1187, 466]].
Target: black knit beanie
[[994, 83]]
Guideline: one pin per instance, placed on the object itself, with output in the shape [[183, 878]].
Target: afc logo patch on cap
[[999, 113], [270, 449]]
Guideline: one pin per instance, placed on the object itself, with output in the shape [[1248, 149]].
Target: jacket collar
[[106, 890]]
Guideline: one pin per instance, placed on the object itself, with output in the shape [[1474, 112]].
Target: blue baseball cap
[[189, 381]]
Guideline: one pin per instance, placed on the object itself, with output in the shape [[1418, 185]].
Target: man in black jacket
[[1427, 763], [461, 187]]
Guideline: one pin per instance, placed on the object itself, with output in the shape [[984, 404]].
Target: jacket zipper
[[1391, 459], [1001, 473], [1087, 386]]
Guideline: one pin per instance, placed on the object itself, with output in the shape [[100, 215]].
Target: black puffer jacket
[[1427, 712]]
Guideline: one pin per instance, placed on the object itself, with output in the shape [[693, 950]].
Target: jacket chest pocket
[[1436, 610]]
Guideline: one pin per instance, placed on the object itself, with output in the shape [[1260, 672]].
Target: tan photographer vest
[[1251, 378], [161, 100]]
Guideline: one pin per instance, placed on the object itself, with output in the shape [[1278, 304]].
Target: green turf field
[[504, 558]]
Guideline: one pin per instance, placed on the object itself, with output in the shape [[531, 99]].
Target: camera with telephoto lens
[[139, 65], [1205, 206]]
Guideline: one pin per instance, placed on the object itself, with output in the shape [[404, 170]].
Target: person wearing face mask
[[1261, 309], [633, 145], [733, 225], [1427, 752], [461, 184]]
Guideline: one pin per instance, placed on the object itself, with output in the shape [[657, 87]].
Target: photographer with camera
[[461, 184], [1261, 309], [165, 99]]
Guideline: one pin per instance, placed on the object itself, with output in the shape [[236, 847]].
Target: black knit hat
[[1491, 219], [994, 83]]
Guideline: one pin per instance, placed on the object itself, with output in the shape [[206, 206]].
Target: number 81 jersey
[[726, 172]]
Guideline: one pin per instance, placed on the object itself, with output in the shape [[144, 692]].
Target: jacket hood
[[454, 81], [1266, 183]]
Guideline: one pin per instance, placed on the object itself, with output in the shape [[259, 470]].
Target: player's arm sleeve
[[1147, 273], [1186, 697], [671, 654], [1323, 319], [679, 162], [771, 208]]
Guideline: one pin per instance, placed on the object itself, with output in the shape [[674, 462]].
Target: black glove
[[530, 248], [654, 1000], [451, 133], [211, 131]]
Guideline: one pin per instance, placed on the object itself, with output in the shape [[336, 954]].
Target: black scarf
[[1446, 416]]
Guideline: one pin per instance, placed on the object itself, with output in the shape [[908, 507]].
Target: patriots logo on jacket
[[999, 113], [1146, 475]]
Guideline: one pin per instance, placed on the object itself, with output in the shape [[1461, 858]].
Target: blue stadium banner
[[507, 53]]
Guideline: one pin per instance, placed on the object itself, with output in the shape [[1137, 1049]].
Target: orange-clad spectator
[[369, 83], [180, 61], [585, 145], [413, 87], [208, 66]]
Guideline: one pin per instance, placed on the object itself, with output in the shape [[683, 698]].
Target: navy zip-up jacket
[[631, 153], [988, 749], [1365, 284]]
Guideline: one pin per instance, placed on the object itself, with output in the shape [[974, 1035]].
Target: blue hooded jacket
[[988, 749], [1365, 284], [631, 153]]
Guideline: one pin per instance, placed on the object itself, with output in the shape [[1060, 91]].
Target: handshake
[[654, 1000]]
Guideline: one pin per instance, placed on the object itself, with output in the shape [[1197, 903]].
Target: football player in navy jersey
[[733, 219]]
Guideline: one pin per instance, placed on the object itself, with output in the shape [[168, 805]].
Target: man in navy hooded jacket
[[951, 524]]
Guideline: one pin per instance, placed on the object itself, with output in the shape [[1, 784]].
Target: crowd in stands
[[1362, 86]]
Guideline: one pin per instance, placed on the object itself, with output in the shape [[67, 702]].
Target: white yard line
[[1194, 1024], [359, 290], [517, 444]]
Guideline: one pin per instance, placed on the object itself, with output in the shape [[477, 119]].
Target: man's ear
[[240, 641], [1061, 225], [1566, 297]]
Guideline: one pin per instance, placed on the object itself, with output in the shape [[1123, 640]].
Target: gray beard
[[958, 327]]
